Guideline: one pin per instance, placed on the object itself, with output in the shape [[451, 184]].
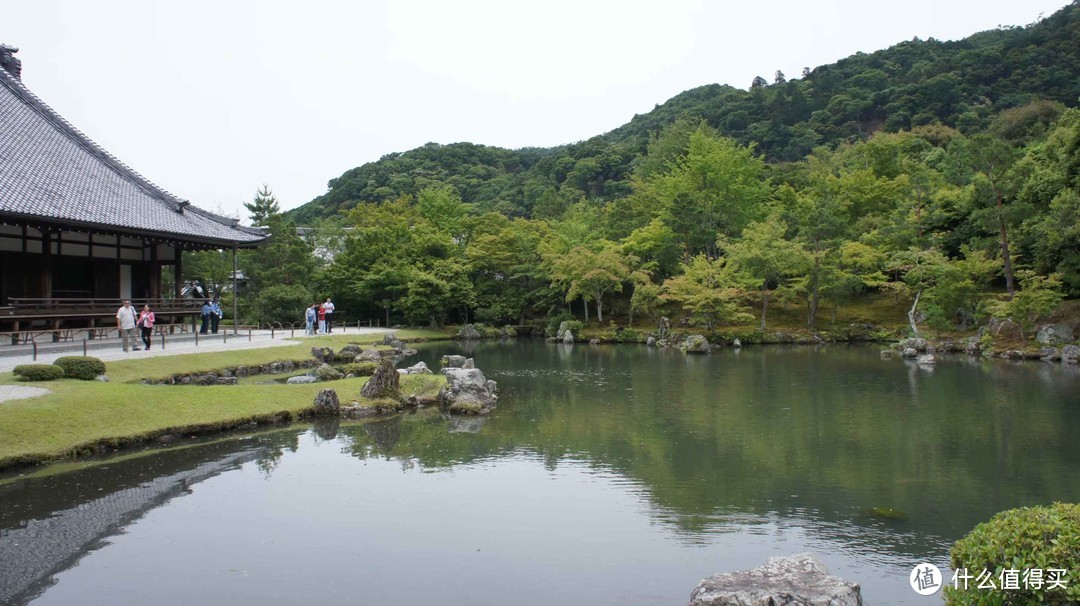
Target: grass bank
[[82, 417]]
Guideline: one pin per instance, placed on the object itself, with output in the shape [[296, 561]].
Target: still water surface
[[608, 475]]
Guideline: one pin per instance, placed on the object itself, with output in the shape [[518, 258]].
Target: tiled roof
[[52, 173]]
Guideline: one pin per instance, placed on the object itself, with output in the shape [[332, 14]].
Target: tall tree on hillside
[[262, 207], [992, 160]]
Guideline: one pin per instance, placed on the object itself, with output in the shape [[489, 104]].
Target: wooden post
[[235, 295]]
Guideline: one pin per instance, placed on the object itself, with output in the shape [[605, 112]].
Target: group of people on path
[[211, 316], [127, 320], [319, 318]]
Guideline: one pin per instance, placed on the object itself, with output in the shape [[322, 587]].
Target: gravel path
[[15, 392]]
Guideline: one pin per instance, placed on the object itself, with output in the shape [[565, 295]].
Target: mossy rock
[[38, 372], [85, 368]]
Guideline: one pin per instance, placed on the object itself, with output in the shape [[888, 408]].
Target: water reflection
[[626, 473]]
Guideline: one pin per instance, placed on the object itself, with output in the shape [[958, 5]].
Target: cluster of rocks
[[1056, 340], [470, 332], [231, 375]]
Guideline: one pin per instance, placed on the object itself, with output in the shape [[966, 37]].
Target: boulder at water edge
[[389, 338], [416, 369], [467, 391], [301, 380], [322, 354], [453, 361], [798, 579], [568, 337], [325, 372], [1054, 334], [468, 332], [696, 344], [326, 403]]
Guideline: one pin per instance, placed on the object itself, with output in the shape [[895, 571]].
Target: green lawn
[[83, 415]]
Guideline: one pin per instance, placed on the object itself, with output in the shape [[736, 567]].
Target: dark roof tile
[[49, 169]]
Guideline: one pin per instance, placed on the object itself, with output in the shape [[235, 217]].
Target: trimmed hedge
[[1025, 539], [86, 368], [38, 372]]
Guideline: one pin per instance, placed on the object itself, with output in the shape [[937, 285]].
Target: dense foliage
[[946, 173], [1020, 542]]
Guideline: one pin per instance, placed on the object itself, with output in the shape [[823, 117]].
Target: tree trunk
[[813, 299], [586, 303], [388, 316], [599, 311], [911, 315], [1009, 284], [764, 306]]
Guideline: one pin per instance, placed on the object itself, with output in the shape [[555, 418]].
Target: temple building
[[79, 230]]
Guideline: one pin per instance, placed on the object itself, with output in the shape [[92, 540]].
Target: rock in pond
[[799, 579], [325, 372], [301, 380], [453, 361], [467, 391], [696, 344], [1054, 334], [419, 368]]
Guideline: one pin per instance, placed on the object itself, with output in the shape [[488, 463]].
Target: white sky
[[211, 99]]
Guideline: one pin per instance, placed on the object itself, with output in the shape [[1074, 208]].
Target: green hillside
[[962, 84]]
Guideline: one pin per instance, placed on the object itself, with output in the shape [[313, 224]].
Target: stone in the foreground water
[[797, 580]]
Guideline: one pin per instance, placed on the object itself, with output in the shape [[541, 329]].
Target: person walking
[[309, 318], [206, 311], [125, 324], [215, 315], [146, 325], [321, 311], [329, 308]]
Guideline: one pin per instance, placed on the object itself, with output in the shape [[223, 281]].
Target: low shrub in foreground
[[1011, 547], [38, 372], [85, 368]]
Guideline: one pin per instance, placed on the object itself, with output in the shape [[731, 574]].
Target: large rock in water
[[453, 361], [468, 332], [696, 344], [326, 403], [385, 383], [799, 579], [467, 391]]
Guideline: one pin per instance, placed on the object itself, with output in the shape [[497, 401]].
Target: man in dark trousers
[[329, 308], [206, 311]]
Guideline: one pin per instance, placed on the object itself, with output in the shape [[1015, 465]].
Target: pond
[[607, 475]]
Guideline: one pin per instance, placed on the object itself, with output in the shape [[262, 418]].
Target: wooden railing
[[47, 305]]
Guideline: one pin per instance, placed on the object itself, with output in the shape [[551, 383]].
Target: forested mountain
[[945, 176], [962, 84]]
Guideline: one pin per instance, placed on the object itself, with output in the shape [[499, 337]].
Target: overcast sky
[[211, 99]]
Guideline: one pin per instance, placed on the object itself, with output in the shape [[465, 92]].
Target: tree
[[285, 259], [766, 258], [1038, 297], [992, 159], [759, 82], [708, 291], [717, 188], [592, 274], [262, 207], [778, 77]]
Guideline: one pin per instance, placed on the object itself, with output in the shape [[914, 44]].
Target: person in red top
[[146, 325], [322, 320]]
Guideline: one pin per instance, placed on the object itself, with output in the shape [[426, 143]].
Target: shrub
[[38, 372], [1029, 538], [283, 303], [360, 369], [79, 367]]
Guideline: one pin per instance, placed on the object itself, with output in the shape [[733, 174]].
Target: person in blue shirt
[[206, 311], [215, 315], [309, 319]]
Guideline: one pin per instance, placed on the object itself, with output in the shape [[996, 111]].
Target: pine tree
[[262, 207]]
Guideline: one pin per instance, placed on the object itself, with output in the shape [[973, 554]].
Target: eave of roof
[[52, 173]]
